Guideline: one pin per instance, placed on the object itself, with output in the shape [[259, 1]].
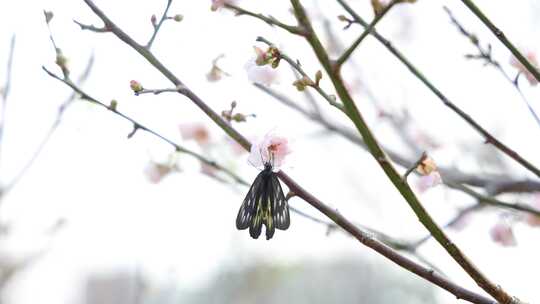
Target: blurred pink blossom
[[217, 4], [461, 222], [428, 181], [271, 148], [532, 59], [531, 219], [502, 233], [262, 74], [195, 131], [235, 146], [155, 172]]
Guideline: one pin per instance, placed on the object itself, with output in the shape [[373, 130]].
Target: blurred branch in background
[[390, 241], [52, 129], [489, 138], [448, 173], [333, 71], [502, 37], [293, 186], [485, 55], [5, 90]]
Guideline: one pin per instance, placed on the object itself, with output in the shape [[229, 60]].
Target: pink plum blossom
[[532, 59], [502, 234], [262, 74], [270, 149], [531, 219], [155, 172], [195, 131], [429, 181], [217, 4]]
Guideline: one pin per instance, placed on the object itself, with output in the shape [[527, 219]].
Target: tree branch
[[486, 56], [331, 99], [502, 37], [494, 184], [354, 114], [489, 138], [270, 20], [337, 218], [348, 52], [158, 26]]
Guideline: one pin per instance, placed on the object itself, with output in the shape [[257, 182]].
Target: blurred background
[[90, 216]]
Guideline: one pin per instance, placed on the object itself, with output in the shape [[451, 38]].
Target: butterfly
[[265, 204]]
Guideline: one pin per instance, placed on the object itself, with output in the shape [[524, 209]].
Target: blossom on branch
[[522, 69], [270, 149], [135, 86], [217, 4], [430, 174]]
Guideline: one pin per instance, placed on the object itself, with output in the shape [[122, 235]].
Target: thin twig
[[494, 184], [379, 155], [52, 129], [488, 137], [484, 199], [296, 65], [158, 26], [92, 28], [502, 37], [348, 52], [414, 166], [426, 273], [156, 91], [139, 126], [270, 20], [486, 55]]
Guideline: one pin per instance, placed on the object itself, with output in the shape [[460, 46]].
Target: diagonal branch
[[296, 66], [270, 20], [494, 185], [348, 52], [502, 37], [379, 155], [489, 138], [293, 186], [158, 26], [52, 129], [485, 54], [138, 126]]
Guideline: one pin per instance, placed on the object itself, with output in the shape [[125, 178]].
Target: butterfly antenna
[[261, 155]]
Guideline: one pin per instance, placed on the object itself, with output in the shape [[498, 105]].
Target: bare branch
[[293, 186], [489, 138], [270, 20], [379, 155], [348, 52], [158, 25], [502, 37]]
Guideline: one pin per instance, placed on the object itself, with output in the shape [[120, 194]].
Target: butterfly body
[[265, 204]]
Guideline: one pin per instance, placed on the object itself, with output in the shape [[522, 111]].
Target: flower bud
[[135, 86], [178, 18]]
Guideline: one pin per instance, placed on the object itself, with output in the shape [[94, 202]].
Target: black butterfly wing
[[280, 208], [250, 204], [265, 204]]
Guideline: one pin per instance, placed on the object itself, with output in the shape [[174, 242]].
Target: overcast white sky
[[92, 176]]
